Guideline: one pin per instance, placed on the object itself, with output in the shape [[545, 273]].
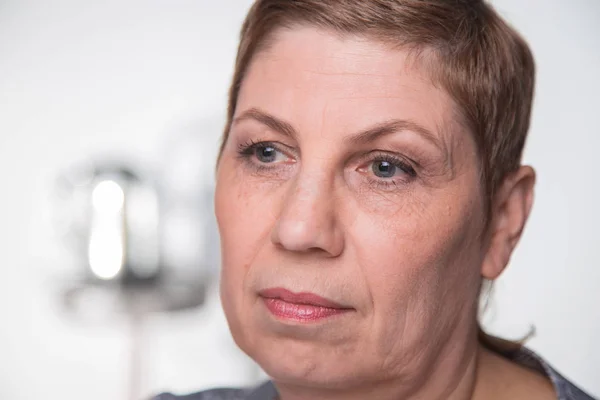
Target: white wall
[[82, 77], [78, 78], [552, 283]]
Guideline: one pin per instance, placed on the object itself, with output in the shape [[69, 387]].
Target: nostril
[[303, 237], [307, 223]]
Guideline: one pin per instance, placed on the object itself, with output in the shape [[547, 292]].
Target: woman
[[369, 183]]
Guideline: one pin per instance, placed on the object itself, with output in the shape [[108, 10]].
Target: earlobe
[[510, 211]]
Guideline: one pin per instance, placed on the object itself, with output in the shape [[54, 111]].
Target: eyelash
[[247, 150], [397, 162]]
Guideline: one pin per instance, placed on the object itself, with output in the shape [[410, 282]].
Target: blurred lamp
[[115, 221]]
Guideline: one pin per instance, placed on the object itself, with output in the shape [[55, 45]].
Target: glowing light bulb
[[106, 245]]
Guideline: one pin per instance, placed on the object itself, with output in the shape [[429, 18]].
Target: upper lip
[[300, 298]]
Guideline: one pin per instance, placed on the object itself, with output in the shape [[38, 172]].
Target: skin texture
[[405, 253]]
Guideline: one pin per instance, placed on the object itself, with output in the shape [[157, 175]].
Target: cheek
[[416, 263], [414, 271], [244, 218], [398, 262]]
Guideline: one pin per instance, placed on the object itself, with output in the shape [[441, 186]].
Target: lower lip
[[301, 312]]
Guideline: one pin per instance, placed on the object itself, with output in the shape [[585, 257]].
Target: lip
[[303, 298], [301, 307]]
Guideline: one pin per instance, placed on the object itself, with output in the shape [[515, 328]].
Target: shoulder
[[566, 389], [266, 391], [214, 394], [563, 388]]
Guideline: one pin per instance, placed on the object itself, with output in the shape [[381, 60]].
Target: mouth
[[300, 307]]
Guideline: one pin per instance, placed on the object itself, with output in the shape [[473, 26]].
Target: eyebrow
[[268, 120], [363, 137]]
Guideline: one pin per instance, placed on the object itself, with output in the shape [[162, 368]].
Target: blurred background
[[110, 116]]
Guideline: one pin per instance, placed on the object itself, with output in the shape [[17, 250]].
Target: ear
[[509, 212]]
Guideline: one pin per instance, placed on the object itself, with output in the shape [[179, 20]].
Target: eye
[[387, 167], [267, 154], [383, 169], [261, 153]]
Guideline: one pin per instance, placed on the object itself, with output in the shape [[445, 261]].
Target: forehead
[[322, 81]]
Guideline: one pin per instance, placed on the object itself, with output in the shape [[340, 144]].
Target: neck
[[452, 375]]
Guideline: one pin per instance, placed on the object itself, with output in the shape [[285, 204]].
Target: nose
[[308, 220]]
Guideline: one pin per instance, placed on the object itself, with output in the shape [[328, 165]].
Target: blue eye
[[386, 166], [384, 169], [261, 153], [266, 154]]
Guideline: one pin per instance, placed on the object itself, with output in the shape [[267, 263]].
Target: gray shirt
[[564, 389]]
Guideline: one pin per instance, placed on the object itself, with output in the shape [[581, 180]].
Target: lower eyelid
[[387, 186], [256, 166]]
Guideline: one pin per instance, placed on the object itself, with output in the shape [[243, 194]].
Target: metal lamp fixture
[[118, 225]]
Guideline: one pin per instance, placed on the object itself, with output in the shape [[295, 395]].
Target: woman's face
[[350, 213]]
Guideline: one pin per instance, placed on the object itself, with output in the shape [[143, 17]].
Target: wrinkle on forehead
[[350, 68]]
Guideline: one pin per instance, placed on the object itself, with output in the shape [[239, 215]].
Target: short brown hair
[[483, 64]]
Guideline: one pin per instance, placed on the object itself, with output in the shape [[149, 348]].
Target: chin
[[318, 354], [303, 363]]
